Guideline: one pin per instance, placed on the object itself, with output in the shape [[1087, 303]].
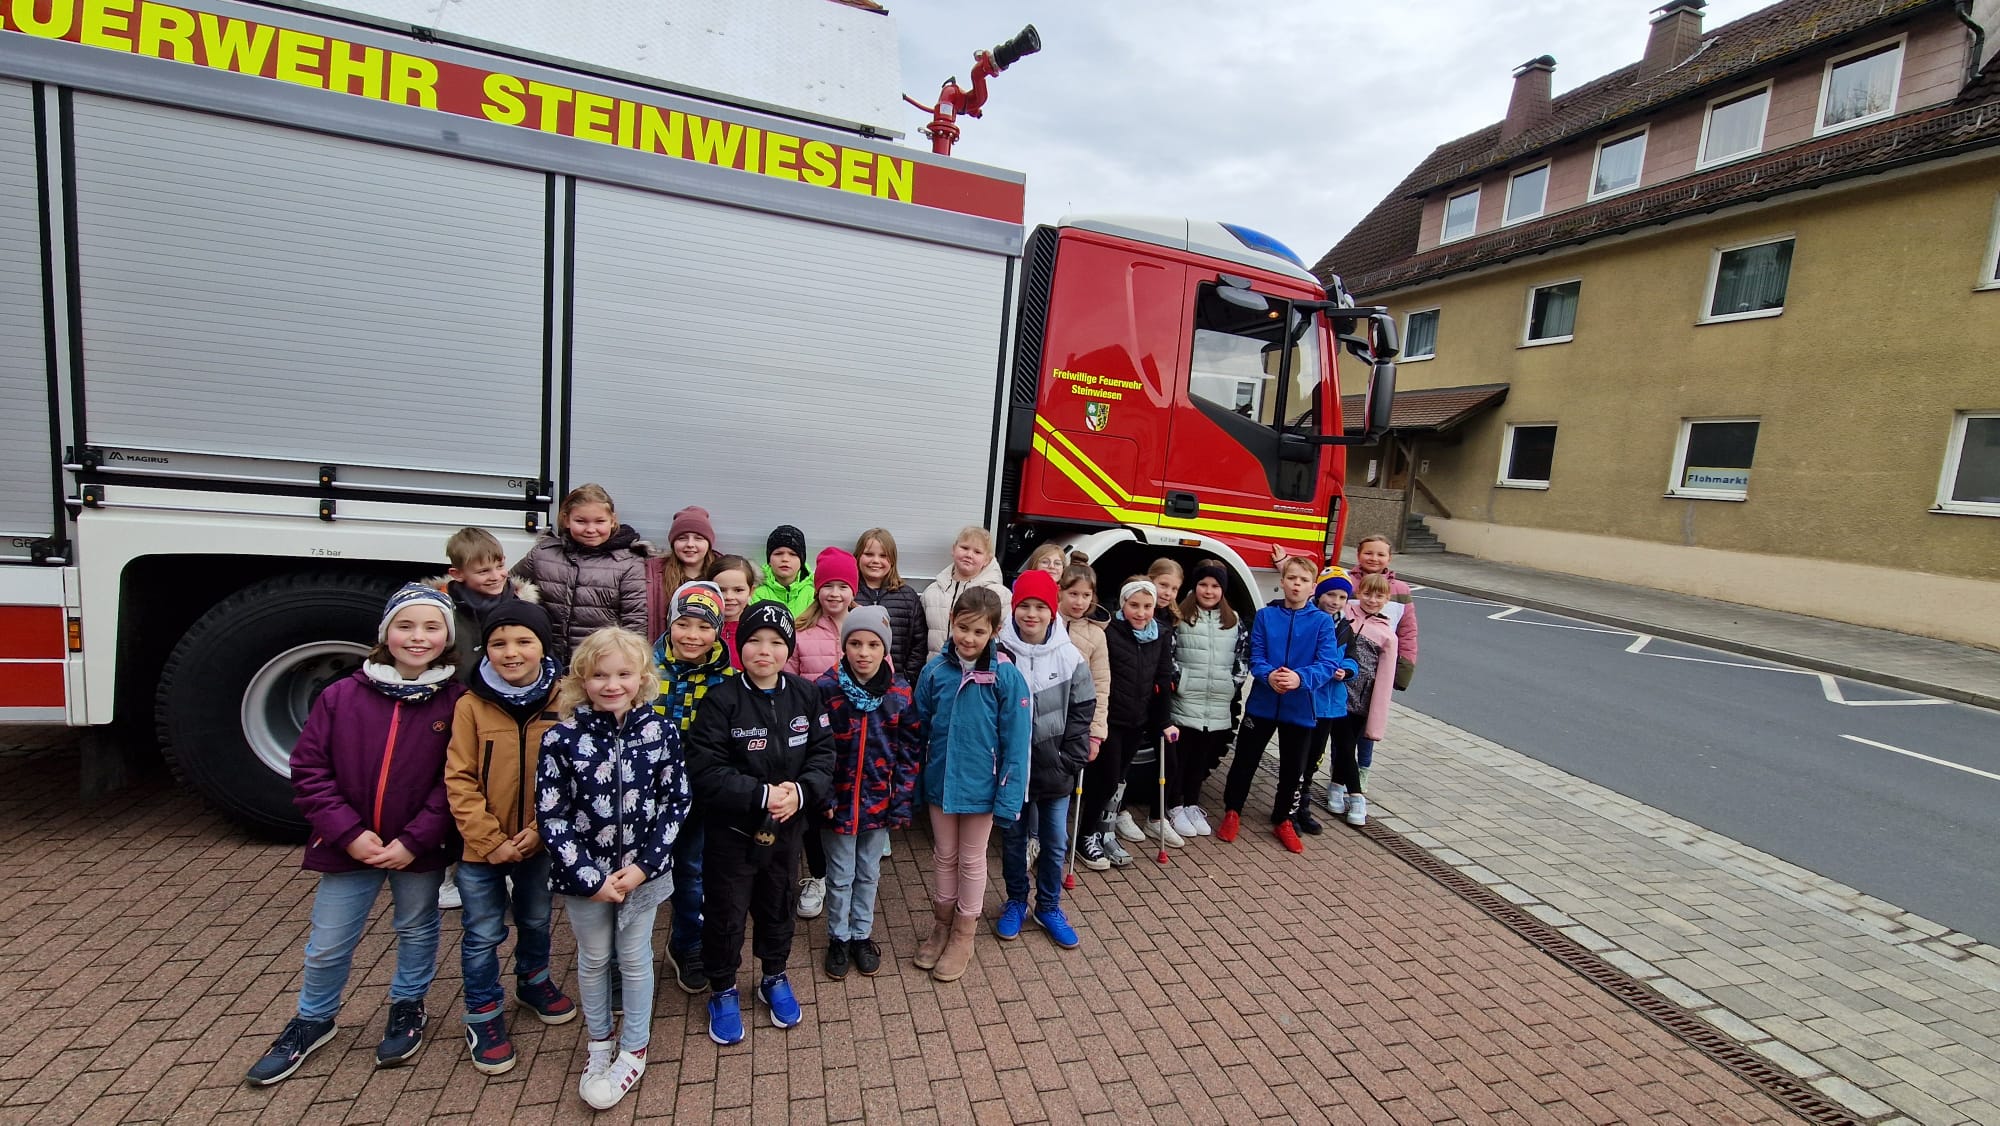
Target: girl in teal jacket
[[979, 713]]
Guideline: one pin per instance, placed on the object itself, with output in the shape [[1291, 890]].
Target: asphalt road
[[1819, 771]]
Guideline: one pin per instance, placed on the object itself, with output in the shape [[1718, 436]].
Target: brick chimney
[[1676, 34], [1529, 105]]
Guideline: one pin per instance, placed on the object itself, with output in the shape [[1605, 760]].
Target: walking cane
[[1075, 824]]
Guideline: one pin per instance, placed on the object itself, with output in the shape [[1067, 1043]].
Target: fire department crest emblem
[[1097, 415]]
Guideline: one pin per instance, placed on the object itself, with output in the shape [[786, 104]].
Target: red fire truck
[[288, 294]]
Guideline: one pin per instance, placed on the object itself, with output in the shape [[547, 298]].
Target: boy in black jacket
[[759, 752]]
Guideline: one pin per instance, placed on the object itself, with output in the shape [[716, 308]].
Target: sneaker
[[1165, 833], [550, 1004], [1357, 811], [448, 897], [725, 1018], [1090, 850], [601, 1053], [492, 1052], [1182, 822], [690, 973], [1306, 822], [1119, 857], [1231, 823], [1129, 829], [1052, 920], [604, 1089], [300, 1039], [866, 954], [1198, 817], [776, 991], [812, 897], [1289, 837], [1012, 914], [1336, 800], [836, 958], [405, 1035]]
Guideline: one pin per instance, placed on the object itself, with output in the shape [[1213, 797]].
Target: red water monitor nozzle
[[952, 100]]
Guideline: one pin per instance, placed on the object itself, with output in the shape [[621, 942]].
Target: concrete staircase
[[1418, 539]]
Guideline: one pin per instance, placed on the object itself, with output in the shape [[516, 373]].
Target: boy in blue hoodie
[[1292, 653], [1330, 706]]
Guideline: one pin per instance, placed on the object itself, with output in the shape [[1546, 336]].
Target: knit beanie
[[1038, 585], [691, 519], [836, 566], [1334, 578], [417, 594], [766, 615], [1209, 569], [516, 612], [785, 535], [699, 600], [866, 619]]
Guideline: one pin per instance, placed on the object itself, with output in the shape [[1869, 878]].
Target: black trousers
[[741, 883], [1339, 733], [1142, 780], [1250, 744], [1101, 777], [815, 851], [1200, 752]]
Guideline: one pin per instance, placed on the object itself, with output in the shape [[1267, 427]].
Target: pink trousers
[[959, 858]]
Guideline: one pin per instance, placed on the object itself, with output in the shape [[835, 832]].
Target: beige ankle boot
[[933, 943], [957, 956]]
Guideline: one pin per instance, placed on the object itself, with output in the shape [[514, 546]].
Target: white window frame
[[1989, 267], [1954, 447], [1679, 470], [1528, 314], [1591, 192], [1409, 359], [1708, 117], [1507, 458], [1541, 209], [1444, 219], [1820, 128], [1715, 276]]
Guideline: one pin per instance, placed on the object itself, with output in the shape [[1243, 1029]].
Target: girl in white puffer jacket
[[1213, 648]]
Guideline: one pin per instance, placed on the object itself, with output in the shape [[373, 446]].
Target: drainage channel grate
[[1699, 1034]]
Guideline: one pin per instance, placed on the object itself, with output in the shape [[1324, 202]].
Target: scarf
[[480, 604], [865, 697], [518, 697], [683, 683], [386, 680], [1150, 633]]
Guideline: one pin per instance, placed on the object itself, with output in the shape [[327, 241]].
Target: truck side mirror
[[1382, 339], [1381, 396]]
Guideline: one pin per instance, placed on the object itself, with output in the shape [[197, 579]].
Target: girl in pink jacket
[[1371, 557], [1375, 651]]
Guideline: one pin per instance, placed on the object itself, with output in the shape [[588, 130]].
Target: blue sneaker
[[1012, 915], [776, 991], [1052, 920], [725, 1019]]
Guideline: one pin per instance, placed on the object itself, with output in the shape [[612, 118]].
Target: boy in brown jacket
[[489, 777]]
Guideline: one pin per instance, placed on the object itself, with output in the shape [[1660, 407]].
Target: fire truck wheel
[[237, 688]]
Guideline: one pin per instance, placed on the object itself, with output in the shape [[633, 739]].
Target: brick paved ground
[[150, 952]]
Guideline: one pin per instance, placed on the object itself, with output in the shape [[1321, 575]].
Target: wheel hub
[[281, 694]]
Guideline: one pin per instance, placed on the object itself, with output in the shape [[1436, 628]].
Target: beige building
[[1730, 316]]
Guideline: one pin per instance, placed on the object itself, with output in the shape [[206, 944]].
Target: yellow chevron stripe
[[1296, 517], [1123, 514]]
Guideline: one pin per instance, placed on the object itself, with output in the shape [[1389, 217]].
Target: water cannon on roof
[[954, 100]]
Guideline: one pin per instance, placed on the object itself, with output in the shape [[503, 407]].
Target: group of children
[[630, 729]]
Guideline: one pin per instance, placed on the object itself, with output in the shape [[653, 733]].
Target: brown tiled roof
[[1372, 256], [1433, 409]]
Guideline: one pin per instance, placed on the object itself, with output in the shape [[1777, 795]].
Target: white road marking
[[1831, 687], [1924, 757]]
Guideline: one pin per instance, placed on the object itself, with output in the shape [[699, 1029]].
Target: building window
[[1461, 216], [1971, 483], [1527, 453], [1735, 126], [1420, 335], [1552, 312], [1749, 281], [1712, 458], [1618, 165], [1860, 87], [1989, 269], [1526, 193]]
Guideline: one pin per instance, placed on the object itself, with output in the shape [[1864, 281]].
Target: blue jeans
[[1364, 753], [599, 939], [687, 887], [484, 890], [340, 912], [853, 869], [1047, 820]]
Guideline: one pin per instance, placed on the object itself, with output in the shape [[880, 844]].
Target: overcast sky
[[1293, 119]]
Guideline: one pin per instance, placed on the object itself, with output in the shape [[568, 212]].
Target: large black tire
[[237, 687]]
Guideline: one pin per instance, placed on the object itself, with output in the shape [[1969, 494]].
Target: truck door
[[1106, 389], [28, 483], [1241, 463]]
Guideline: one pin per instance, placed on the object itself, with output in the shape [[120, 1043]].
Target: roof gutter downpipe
[[1963, 10]]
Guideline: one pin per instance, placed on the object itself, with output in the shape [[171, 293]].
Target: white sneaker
[[1199, 817], [1357, 810], [812, 897], [1183, 822], [618, 1077], [1128, 829], [1162, 831], [601, 1054], [448, 897], [1336, 800]]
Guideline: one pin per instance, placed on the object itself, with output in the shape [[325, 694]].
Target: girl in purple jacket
[[368, 773]]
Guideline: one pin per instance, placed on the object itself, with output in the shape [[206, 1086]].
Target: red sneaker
[[1230, 824], [1288, 836]]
